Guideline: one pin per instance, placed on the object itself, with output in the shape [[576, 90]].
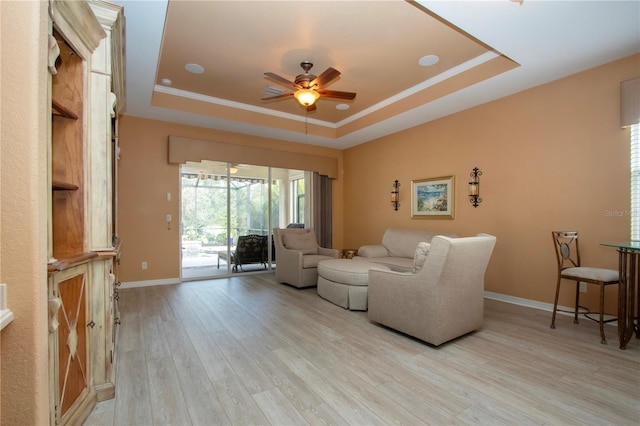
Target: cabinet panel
[[71, 328], [72, 341]]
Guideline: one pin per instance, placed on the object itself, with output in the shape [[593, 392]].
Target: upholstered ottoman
[[345, 282]]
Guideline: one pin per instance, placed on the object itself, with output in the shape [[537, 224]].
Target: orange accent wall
[[145, 177], [553, 158], [24, 355]]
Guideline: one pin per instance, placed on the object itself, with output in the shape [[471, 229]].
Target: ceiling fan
[[308, 88]]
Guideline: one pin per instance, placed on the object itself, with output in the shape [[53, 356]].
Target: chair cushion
[[593, 274], [305, 243], [422, 250]]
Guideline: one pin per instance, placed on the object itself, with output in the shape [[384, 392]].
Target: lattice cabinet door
[[71, 326]]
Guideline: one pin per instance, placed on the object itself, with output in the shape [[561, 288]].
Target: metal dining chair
[[569, 268]]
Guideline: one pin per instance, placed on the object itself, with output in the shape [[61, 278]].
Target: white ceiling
[[547, 39]]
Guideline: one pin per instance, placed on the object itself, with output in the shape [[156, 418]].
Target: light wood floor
[[247, 350]]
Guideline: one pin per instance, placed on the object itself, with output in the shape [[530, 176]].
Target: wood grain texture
[[248, 350]]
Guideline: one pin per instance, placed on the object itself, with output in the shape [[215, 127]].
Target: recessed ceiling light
[[194, 68], [166, 82], [342, 107], [427, 61]]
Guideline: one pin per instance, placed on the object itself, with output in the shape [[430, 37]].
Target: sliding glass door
[[228, 214], [204, 224]]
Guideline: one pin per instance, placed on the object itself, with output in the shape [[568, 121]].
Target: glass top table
[[628, 291], [629, 245]]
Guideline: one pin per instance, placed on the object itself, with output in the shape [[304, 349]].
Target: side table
[[628, 294]]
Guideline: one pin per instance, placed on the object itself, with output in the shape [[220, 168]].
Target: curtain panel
[[322, 208]]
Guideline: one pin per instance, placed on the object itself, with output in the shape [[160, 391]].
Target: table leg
[[628, 296]]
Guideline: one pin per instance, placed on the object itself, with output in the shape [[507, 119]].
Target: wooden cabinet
[[87, 85]]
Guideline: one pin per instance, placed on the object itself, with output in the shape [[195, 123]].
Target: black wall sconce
[[474, 187], [395, 195]]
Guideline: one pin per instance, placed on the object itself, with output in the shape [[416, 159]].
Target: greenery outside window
[[298, 198]]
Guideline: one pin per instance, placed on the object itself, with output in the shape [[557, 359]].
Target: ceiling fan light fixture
[[306, 97]]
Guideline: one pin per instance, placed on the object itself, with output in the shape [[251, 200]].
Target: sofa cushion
[[373, 251], [403, 242], [305, 243], [397, 264], [421, 256]]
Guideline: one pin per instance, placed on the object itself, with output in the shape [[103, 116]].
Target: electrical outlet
[[144, 265], [583, 287]]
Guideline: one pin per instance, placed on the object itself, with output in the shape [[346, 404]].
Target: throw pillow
[[305, 243], [422, 250]]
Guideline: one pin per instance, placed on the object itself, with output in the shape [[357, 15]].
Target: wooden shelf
[[62, 264], [58, 185]]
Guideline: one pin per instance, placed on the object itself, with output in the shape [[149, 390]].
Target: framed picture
[[432, 198]]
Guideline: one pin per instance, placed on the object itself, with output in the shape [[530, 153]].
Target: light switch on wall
[[168, 218]]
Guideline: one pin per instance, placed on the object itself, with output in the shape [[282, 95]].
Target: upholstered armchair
[[442, 298], [298, 254]]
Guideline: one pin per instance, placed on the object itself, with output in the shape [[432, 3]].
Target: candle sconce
[[395, 195], [474, 187]]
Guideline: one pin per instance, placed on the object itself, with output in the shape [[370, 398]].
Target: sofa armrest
[[289, 265], [377, 250], [328, 252]]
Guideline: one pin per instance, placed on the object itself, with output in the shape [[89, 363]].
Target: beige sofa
[[297, 256], [398, 248], [443, 299]]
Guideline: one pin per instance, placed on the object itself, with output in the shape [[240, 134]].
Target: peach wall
[[553, 158], [24, 397], [145, 177]]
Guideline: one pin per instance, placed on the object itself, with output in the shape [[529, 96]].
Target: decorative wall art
[[432, 198]]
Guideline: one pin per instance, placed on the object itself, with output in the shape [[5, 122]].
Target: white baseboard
[[149, 283], [522, 302], [534, 304]]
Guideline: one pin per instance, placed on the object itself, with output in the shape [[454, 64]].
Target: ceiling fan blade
[[272, 98], [325, 78], [337, 94], [282, 81], [311, 107]]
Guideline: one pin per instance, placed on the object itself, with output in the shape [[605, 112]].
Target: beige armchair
[[297, 256], [443, 298]]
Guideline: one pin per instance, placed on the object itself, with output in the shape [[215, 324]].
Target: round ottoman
[[345, 282]]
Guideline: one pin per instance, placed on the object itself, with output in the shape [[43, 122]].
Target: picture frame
[[433, 198]]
